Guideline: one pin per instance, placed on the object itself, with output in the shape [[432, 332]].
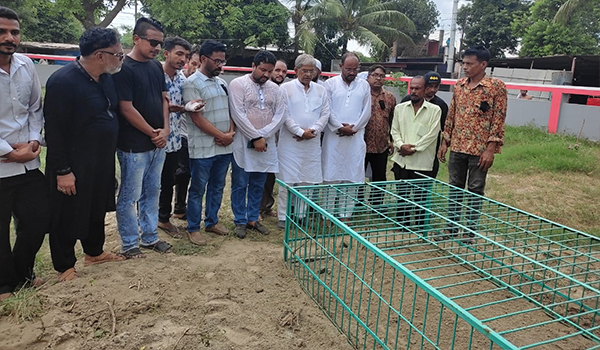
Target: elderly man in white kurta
[[344, 152], [258, 109], [299, 147]]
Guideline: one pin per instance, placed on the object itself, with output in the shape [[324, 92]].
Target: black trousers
[[182, 178], [461, 166], [267, 202], [167, 181], [62, 245], [419, 195], [378, 163], [25, 196]]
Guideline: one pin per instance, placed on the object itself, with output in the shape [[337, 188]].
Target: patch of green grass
[[530, 150], [25, 305]]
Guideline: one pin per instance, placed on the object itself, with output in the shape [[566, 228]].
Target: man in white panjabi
[[299, 147], [344, 148], [258, 109]]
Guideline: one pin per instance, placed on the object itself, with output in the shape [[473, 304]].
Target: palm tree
[[298, 15], [371, 24], [565, 12]]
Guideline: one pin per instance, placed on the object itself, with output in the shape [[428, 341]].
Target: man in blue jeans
[[258, 109], [143, 133], [210, 134]]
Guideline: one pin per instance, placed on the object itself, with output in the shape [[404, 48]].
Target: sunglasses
[[118, 55], [152, 42]]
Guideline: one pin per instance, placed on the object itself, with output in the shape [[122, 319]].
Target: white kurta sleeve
[[365, 114], [320, 124], [333, 123], [238, 113]]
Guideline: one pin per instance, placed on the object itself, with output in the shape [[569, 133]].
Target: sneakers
[[240, 231], [218, 229], [281, 224], [258, 227]]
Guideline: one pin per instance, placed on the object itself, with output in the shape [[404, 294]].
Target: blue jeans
[[207, 175], [246, 194], [138, 197]]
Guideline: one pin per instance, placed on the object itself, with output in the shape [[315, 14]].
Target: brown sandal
[[68, 275], [102, 258]]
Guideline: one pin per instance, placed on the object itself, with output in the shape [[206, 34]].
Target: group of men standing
[[168, 126]]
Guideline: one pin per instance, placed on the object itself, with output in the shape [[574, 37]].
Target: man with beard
[[344, 146], [267, 202], [258, 110], [415, 129], [143, 134], [23, 188], [432, 86], [210, 135], [176, 55], [299, 147], [81, 126]]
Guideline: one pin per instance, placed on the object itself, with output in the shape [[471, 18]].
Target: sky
[[125, 17]]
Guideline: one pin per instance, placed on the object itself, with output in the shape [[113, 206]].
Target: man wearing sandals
[[23, 189], [143, 133], [258, 110], [81, 127]]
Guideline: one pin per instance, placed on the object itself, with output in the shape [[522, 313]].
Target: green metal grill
[[420, 264]]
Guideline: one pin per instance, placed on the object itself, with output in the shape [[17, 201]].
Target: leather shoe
[[196, 238], [218, 228]]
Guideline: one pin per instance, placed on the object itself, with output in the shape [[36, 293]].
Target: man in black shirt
[[432, 86], [80, 111], [143, 133]]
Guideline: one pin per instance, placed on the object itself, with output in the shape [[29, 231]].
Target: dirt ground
[[232, 294]]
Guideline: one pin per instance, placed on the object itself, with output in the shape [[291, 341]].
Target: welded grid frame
[[514, 254]]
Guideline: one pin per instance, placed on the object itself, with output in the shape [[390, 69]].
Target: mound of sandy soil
[[232, 294]]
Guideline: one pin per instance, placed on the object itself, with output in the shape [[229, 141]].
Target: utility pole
[[450, 67]]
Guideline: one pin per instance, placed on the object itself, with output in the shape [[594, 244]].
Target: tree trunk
[[394, 53]]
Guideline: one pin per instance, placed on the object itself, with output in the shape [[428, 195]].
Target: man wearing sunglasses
[[143, 135], [377, 131], [81, 127]]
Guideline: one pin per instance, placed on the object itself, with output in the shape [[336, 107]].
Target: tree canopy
[[543, 36], [237, 23], [489, 23]]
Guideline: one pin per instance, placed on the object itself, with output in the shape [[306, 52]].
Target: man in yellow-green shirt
[[415, 129]]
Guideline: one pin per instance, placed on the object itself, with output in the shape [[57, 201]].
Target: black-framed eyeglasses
[[217, 61], [118, 55], [152, 42]]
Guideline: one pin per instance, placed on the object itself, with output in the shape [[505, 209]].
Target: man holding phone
[[474, 131], [258, 109]]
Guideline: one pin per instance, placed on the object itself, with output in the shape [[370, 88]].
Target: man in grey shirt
[[210, 134], [23, 188]]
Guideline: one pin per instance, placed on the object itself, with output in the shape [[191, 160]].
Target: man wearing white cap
[[318, 71]]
